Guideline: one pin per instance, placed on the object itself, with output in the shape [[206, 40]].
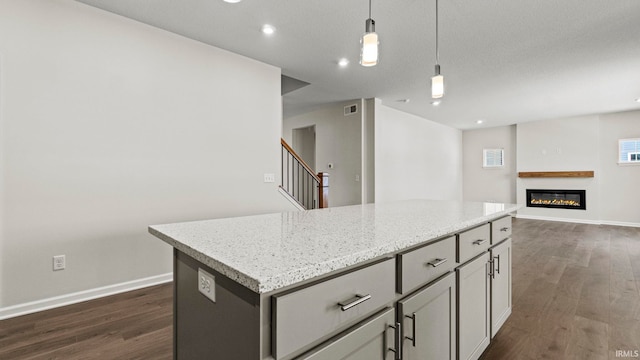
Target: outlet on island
[[207, 284]]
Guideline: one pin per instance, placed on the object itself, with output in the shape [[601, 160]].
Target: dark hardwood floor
[[575, 296], [132, 325], [576, 293]]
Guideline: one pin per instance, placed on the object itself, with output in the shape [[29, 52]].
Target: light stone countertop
[[268, 252]]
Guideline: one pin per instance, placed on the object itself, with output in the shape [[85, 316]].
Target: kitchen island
[[331, 283]]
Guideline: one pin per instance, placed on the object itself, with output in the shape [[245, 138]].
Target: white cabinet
[[500, 285], [473, 307], [373, 340], [429, 321], [304, 315]]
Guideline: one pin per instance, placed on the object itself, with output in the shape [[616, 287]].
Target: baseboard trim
[[620, 223], [74, 298], [579, 221]]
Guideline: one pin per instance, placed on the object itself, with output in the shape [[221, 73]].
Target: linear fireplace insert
[[557, 199]]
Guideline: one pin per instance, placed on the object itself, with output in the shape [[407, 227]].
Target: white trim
[[291, 199], [620, 223], [579, 221], [74, 298], [547, 218]]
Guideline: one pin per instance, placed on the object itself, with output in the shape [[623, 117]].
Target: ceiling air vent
[[350, 109]]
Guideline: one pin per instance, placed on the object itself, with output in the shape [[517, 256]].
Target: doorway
[[304, 143]]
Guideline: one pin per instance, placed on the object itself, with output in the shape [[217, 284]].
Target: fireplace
[[557, 199]]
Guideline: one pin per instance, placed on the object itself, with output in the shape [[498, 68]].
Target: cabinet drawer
[[420, 266], [473, 242], [303, 316], [500, 229]]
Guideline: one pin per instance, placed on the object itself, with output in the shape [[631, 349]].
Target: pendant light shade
[[369, 43], [437, 84]]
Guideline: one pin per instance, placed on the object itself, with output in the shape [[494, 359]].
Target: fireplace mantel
[[556, 174]]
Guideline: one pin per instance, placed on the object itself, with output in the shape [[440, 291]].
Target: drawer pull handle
[[437, 262], [397, 340], [359, 299], [413, 326], [479, 241], [504, 229]]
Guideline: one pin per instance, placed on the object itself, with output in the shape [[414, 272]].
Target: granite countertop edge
[[295, 275]]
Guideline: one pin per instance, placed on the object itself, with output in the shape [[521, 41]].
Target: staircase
[[300, 183]]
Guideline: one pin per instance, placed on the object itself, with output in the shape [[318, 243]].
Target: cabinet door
[[500, 285], [473, 308], [429, 321], [372, 340]]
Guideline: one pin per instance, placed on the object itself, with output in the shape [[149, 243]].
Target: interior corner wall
[[339, 142], [489, 184], [415, 158], [109, 125], [368, 151], [618, 183]]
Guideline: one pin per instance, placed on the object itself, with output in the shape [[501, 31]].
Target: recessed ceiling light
[[479, 122], [268, 29], [232, 1], [403, 100], [435, 102], [343, 62], [638, 100]]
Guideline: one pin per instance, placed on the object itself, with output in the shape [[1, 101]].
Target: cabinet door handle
[[479, 241], [413, 327], [497, 257], [359, 299], [492, 273], [437, 262], [398, 341], [504, 228]]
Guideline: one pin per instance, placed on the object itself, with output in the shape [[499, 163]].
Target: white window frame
[[485, 163], [628, 157]]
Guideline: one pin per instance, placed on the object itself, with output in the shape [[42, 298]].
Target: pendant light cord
[[369, 9], [437, 48]]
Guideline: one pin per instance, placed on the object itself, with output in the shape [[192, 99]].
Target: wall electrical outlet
[[207, 284], [59, 262]]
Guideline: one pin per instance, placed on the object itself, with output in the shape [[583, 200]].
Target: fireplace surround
[[557, 199]]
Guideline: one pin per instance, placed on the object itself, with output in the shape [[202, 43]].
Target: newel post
[[323, 190]]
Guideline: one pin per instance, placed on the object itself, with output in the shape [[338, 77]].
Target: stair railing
[[300, 182]]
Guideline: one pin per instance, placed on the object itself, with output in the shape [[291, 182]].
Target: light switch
[[269, 178]]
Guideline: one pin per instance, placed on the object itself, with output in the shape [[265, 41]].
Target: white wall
[[338, 141], [108, 126], [489, 184], [569, 144], [415, 158], [619, 184]]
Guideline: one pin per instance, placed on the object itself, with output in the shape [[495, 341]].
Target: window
[[492, 158], [629, 151]]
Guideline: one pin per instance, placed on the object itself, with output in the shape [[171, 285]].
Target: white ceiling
[[504, 61]]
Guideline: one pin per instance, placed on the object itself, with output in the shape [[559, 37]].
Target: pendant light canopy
[[369, 42], [437, 81]]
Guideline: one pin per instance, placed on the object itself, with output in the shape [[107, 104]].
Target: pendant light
[[369, 41], [437, 81]]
